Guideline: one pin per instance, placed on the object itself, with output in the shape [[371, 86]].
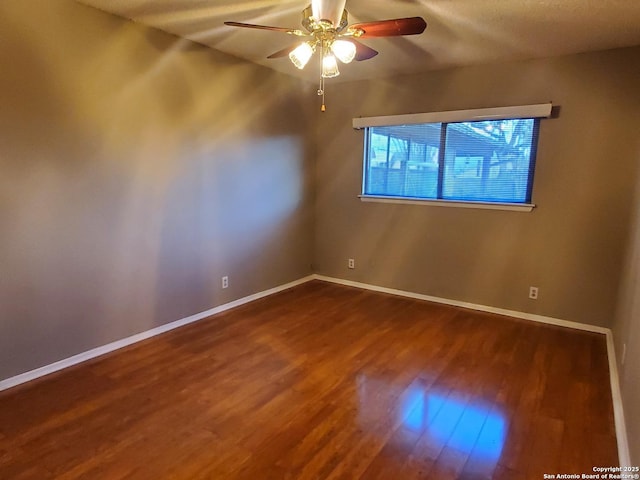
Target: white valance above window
[[541, 110]]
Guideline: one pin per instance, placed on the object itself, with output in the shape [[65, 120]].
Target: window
[[485, 160]]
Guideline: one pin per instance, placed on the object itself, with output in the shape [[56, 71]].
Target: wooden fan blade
[[362, 51], [263, 27], [390, 28], [284, 52]]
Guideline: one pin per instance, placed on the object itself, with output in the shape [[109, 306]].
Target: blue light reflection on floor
[[491, 440], [468, 428], [414, 411], [465, 427]]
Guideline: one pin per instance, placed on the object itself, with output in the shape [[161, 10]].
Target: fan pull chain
[[321, 89], [321, 92]]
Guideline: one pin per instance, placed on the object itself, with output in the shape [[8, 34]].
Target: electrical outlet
[[624, 353], [533, 293], [352, 263], [225, 282]]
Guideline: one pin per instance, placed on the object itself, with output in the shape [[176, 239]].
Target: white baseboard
[[623, 446], [618, 412], [471, 306], [110, 347]]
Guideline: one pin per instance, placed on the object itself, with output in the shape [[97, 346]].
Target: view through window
[[481, 161]]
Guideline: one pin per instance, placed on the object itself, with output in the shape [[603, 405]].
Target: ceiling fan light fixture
[[301, 54], [329, 66], [344, 50], [329, 33]]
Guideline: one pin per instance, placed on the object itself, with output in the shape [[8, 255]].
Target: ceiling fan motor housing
[[313, 24], [328, 10]]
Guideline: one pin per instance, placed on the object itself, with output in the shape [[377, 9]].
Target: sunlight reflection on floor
[[437, 418]]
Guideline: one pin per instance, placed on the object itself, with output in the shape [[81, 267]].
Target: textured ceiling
[[459, 32]]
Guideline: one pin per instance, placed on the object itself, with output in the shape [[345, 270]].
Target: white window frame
[[542, 110]]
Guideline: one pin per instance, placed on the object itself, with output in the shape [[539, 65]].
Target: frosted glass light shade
[[330, 66], [344, 50], [300, 55]]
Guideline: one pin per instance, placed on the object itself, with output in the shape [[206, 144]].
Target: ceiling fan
[[328, 32]]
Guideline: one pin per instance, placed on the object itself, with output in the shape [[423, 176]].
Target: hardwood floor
[[323, 382]]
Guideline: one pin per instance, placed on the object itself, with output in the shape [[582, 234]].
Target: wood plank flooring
[[323, 382]]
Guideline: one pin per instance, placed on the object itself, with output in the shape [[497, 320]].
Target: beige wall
[[626, 331], [570, 246], [135, 171]]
